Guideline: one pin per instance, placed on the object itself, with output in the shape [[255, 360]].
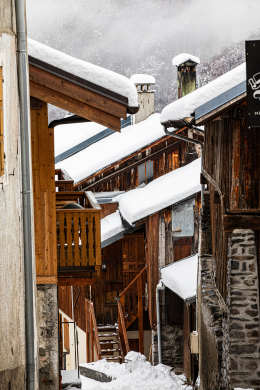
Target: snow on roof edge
[[184, 57], [90, 72]]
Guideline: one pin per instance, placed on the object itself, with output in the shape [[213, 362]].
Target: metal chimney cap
[[72, 206]]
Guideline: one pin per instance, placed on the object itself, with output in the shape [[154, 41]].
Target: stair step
[[110, 350], [107, 334], [108, 342], [112, 358], [106, 328]]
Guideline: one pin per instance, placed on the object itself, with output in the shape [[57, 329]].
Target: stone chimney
[[143, 84], [186, 79]]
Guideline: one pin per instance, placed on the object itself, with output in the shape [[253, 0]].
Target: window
[[183, 219], [1, 126], [145, 172]]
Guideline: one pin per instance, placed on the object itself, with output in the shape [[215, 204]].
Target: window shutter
[[1, 127]]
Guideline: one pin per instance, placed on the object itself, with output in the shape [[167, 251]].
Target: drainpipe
[[196, 142], [26, 191], [193, 141], [160, 286]]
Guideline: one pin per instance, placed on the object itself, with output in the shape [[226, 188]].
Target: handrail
[[133, 281], [122, 323], [94, 325]]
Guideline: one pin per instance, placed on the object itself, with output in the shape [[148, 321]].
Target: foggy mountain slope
[[129, 36]]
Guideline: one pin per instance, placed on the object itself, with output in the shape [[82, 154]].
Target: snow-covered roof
[[113, 148], [181, 277], [186, 106], [142, 79], [92, 73], [69, 135], [111, 225], [183, 57], [160, 193]]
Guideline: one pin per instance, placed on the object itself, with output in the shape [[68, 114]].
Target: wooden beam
[[234, 221], [46, 279], [77, 92], [71, 281], [67, 103], [140, 314]]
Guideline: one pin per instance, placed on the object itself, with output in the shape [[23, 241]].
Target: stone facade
[[47, 320], [172, 346], [243, 299]]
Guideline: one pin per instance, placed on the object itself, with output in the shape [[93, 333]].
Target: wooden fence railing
[[92, 339], [130, 302], [78, 231]]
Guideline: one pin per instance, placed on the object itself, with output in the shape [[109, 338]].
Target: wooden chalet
[[228, 289], [67, 223]]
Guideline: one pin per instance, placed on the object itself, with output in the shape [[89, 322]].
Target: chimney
[[186, 79], [143, 84]]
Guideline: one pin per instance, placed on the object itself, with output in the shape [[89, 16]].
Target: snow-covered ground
[[142, 376]]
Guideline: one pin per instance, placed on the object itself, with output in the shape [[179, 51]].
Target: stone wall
[[244, 370], [211, 309], [172, 346], [47, 320]]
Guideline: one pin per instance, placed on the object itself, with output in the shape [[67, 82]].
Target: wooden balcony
[[78, 234]]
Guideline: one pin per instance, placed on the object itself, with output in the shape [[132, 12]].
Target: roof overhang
[[81, 97], [220, 104], [181, 277]]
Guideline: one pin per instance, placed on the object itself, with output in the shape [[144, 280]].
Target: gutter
[[160, 287], [23, 84]]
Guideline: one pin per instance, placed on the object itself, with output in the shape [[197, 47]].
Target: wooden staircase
[[110, 343]]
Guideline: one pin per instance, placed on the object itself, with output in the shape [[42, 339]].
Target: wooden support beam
[[77, 92], [68, 103], [140, 314], [217, 199], [46, 279], [234, 221], [72, 281]]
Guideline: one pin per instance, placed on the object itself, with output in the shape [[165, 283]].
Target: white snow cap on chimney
[[181, 58], [142, 79]]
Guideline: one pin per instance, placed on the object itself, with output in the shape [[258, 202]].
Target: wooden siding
[[107, 209], [44, 195], [231, 159]]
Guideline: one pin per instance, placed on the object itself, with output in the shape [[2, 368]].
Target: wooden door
[[133, 256]]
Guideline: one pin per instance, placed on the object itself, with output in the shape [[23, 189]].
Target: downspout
[[193, 141], [23, 83], [160, 286], [196, 142]]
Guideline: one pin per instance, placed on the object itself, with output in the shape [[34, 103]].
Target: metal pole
[[23, 83], [159, 287]]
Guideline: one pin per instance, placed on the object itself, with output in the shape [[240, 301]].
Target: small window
[[1, 125], [145, 173]]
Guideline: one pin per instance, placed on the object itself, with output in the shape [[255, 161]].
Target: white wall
[[12, 312]]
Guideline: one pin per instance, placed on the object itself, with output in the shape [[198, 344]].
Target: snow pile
[[69, 135], [70, 377], [142, 376], [113, 148], [160, 193], [93, 73], [142, 79], [111, 225], [181, 277], [184, 107], [181, 58]]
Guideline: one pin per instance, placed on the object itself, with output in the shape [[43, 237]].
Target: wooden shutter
[[66, 336], [1, 126]]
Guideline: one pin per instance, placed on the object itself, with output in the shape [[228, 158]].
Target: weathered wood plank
[[231, 222], [70, 281]]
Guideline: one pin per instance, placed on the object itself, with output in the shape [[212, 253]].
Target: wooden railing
[[78, 231], [92, 339], [130, 307], [64, 182]]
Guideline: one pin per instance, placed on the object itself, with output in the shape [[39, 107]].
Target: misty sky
[[95, 29]]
